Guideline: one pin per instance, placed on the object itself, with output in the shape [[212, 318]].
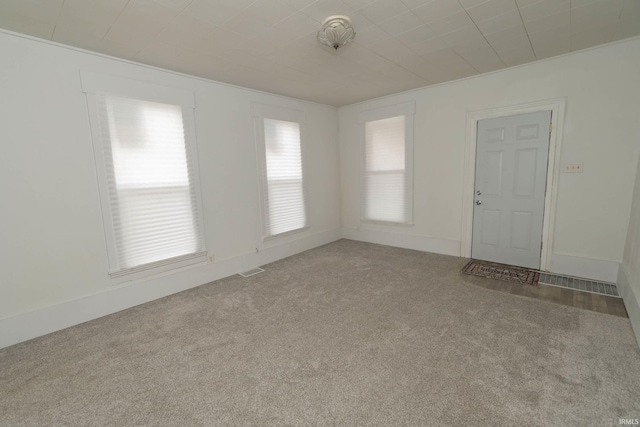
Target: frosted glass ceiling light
[[336, 31]]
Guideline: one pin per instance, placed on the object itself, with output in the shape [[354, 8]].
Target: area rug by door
[[508, 273]]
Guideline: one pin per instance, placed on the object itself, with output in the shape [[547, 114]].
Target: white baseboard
[[605, 271], [406, 241], [292, 247], [630, 298], [26, 326]]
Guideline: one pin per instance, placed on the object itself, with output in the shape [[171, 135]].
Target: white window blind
[[386, 191], [283, 180], [150, 181]]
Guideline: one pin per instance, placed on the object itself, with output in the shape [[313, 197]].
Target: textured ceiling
[[271, 44]]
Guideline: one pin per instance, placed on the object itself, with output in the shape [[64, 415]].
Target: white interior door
[[511, 176]]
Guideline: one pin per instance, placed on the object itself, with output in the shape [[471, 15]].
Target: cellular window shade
[[152, 197], [283, 187], [386, 187]]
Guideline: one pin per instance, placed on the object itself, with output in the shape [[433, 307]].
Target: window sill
[[387, 223], [158, 268], [285, 234]]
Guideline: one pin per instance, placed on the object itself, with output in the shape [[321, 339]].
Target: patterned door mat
[[508, 273]]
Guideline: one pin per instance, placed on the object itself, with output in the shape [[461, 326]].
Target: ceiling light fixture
[[336, 31]]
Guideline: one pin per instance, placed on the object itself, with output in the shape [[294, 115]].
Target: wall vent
[[601, 288], [251, 272]]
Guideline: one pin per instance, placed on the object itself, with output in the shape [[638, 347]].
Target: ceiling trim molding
[[153, 67], [177, 73], [502, 70]]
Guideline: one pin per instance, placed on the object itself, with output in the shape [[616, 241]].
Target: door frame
[[557, 108]]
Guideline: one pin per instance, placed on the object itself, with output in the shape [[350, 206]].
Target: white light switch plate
[[572, 168]]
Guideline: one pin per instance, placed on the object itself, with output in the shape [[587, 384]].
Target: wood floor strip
[[564, 296]]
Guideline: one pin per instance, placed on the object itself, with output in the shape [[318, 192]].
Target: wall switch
[[572, 168]]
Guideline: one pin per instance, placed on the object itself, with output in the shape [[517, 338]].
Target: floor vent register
[[602, 288], [251, 272]]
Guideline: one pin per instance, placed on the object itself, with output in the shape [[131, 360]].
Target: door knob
[[478, 202]]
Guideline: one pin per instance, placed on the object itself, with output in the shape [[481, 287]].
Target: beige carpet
[[346, 334]]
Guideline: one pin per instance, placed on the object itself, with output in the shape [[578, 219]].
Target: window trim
[[94, 84], [272, 112], [407, 110]]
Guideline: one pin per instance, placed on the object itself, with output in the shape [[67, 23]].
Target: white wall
[[53, 263], [629, 277], [601, 89]]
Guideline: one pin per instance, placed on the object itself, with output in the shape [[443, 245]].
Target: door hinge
[[550, 127]]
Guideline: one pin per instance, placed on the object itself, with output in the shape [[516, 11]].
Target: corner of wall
[[406, 241], [631, 300]]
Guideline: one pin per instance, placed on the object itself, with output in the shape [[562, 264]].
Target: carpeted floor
[[347, 334]]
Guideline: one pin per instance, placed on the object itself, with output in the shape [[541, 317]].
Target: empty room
[[320, 212]]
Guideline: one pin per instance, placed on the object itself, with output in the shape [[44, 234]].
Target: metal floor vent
[[585, 285], [252, 272]]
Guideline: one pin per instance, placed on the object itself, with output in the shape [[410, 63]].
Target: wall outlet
[[572, 168]]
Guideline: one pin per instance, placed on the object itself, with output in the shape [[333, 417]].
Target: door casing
[[557, 108]]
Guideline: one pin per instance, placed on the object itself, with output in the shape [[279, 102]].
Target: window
[[280, 151], [387, 182], [147, 177]]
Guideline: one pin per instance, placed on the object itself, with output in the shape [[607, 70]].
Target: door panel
[[521, 224], [511, 172], [525, 173], [494, 135], [490, 227], [524, 132], [493, 176]]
